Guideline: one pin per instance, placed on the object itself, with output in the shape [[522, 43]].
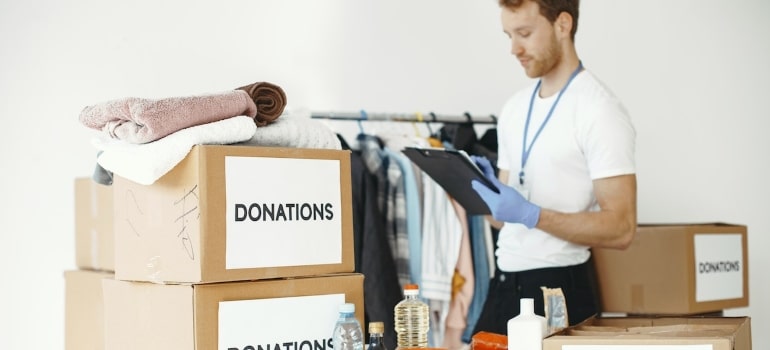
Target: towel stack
[[142, 120], [143, 138]]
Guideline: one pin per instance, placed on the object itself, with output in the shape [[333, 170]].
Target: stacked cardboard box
[[95, 261], [666, 281], [94, 239], [676, 269], [237, 247]]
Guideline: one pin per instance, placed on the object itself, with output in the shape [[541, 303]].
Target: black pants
[[578, 283]]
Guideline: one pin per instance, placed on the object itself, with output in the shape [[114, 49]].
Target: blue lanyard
[[526, 150]]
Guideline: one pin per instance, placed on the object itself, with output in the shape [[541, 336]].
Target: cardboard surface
[[94, 232], [235, 213], [229, 315], [687, 333], [676, 269], [84, 309]]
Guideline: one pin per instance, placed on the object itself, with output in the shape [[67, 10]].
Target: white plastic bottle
[[527, 330], [412, 319], [347, 332]]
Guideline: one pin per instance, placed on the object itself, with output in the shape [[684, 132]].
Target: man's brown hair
[[550, 9]]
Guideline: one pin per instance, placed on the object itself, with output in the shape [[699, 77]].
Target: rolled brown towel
[[270, 100]]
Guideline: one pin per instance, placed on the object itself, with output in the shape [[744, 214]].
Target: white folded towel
[[146, 163], [295, 129]]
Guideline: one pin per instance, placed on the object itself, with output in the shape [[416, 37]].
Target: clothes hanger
[[364, 116], [427, 123], [434, 139], [417, 133]]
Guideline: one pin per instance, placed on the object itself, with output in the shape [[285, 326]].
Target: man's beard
[[545, 63]]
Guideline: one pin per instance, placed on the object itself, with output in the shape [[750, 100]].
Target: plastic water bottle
[[376, 334], [412, 319], [347, 332], [527, 330]]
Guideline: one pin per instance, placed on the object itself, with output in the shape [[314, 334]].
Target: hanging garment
[[396, 217], [479, 233], [413, 219], [390, 200], [372, 255], [463, 291], [371, 153], [411, 174], [461, 135], [442, 235]]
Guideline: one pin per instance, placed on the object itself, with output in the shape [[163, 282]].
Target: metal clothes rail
[[406, 117]]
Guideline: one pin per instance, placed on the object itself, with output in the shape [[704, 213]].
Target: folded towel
[[140, 120], [146, 163], [295, 129], [270, 100]]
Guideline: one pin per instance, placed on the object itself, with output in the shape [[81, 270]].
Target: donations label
[[282, 212], [290, 323], [718, 266]]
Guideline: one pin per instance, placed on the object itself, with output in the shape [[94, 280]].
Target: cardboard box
[[84, 309], [267, 314], [670, 333], [94, 233], [234, 213], [676, 269]]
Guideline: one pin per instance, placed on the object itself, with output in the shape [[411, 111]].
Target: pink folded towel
[[140, 120]]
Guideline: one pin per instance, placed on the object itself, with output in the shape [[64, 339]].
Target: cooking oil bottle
[[412, 319]]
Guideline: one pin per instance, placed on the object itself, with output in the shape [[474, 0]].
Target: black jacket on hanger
[[463, 137], [373, 257]]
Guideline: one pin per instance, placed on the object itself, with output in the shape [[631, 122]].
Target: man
[[567, 171]]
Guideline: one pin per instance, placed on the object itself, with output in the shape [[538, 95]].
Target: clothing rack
[[407, 117]]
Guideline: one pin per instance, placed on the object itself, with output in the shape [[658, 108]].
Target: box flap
[[724, 333]]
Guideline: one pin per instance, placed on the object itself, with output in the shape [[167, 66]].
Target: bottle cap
[[347, 308], [376, 327], [526, 305], [411, 289]]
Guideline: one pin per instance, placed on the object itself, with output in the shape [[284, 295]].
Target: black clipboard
[[453, 171]]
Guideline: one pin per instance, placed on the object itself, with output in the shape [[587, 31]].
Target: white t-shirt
[[589, 136]]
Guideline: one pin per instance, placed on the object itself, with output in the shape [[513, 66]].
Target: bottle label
[[298, 323]]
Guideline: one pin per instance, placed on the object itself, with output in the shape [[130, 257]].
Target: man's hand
[[508, 205]]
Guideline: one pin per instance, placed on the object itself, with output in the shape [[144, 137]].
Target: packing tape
[[94, 253], [93, 191], [154, 269]]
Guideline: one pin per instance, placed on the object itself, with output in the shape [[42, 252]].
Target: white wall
[[693, 74]]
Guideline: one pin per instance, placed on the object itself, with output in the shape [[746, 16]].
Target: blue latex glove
[[508, 205]]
